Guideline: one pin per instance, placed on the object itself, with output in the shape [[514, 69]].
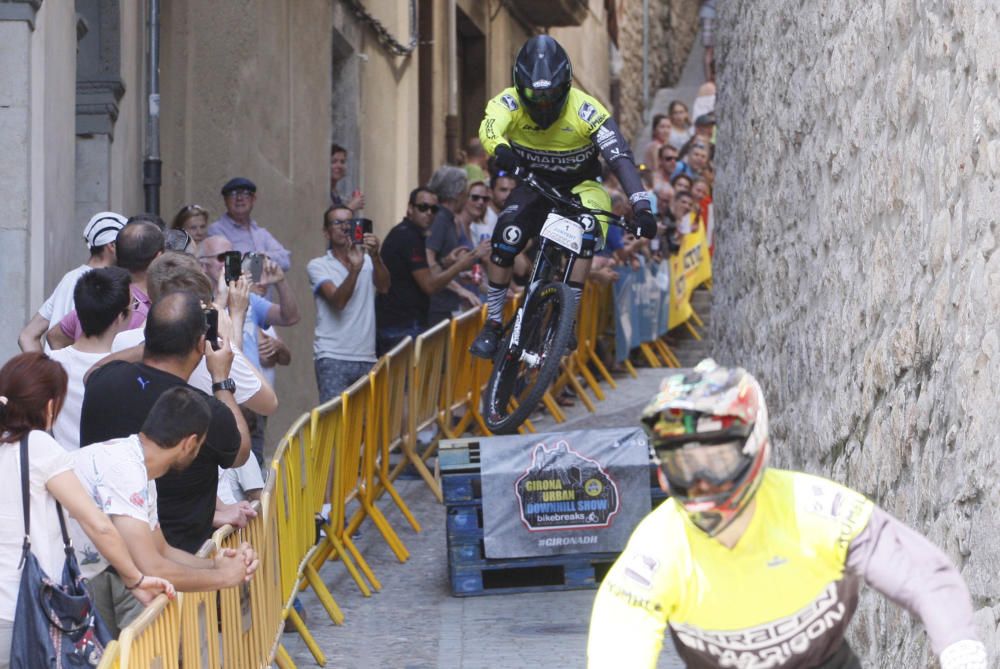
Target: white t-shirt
[[76, 363], [46, 459], [348, 333], [247, 383], [114, 475], [60, 302], [479, 229], [235, 482]]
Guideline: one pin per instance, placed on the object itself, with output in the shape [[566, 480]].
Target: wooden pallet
[[471, 573]]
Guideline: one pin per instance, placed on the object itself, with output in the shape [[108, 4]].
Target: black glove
[[673, 243], [509, 161], [645, 223]]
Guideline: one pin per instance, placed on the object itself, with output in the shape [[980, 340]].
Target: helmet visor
[[716, 464], [545, 97]]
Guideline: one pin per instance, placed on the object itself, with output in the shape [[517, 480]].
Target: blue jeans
[[386, 338], [335, 376]]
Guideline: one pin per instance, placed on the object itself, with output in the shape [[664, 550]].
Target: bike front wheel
[[523, 372]]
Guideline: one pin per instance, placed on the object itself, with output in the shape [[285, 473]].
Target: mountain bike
[[535, 340]]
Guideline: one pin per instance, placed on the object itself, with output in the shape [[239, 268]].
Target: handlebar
[[550, 193]]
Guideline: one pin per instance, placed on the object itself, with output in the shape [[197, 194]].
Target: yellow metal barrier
[[152, 639], [402, 404], [110, 658], [200, 623], [463, 377], [359, 430], [430, 357], [327, 438], [296, 532], [386, 389]]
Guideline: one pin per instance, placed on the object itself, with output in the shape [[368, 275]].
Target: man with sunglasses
[[758, 567], [545, 126], [402, 311]]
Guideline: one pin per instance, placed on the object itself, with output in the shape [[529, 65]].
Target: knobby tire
[[549, 338]]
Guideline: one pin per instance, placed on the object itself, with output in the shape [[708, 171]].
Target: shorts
[[335, 376], [116, 605], [525, 211]]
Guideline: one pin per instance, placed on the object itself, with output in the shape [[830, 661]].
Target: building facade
[[255, 88]]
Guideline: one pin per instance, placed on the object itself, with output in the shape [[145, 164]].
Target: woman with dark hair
[[193, 220], [680, 124], [32, 390], [661, 129]]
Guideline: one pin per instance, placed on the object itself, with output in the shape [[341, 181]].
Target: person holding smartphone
[[344, 282]]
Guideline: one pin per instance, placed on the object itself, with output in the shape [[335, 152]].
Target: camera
[[212, 327], [253, 264], [359, 228]]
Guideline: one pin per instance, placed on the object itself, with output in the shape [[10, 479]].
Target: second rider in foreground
[[754, 567], [544, 125]]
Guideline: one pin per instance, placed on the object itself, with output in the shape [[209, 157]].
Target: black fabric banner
[[559, 493]]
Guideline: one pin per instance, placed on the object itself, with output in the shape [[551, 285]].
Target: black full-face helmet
[[543, 76]]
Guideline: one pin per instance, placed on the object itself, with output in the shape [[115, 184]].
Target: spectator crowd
[[147, 376]]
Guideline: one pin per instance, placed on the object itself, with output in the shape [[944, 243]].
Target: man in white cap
[[100, 234]]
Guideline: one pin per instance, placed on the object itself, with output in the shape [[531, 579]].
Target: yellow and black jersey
[[783, 595], [566, 152]]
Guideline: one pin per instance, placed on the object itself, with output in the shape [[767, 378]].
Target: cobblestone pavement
[[414, 622]]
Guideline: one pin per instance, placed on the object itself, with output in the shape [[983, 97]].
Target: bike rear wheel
[[521, 376]]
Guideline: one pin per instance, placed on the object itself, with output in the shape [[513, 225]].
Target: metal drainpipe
[[451, 120], [151, 165], [645, 60]]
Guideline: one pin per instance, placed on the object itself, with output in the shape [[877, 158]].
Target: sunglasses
[[479, 198], [424, 207], [669, 159], [240, 192]]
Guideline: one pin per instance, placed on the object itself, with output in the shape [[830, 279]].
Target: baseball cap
[[238, 183], [103, 228], [705, 119]]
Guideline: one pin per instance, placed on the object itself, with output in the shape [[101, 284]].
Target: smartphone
[[212, 327], [253, 263], [232, 261], [362, 226]]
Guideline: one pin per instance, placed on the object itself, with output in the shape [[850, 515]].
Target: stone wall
[[858, 155], [673, 25]]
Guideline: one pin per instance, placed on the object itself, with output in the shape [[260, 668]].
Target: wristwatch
[[225, 384]]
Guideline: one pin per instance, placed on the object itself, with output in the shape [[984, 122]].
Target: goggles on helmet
[[715, 464], [544, 97]]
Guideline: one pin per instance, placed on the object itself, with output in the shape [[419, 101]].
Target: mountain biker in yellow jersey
[[754, 567], [543, 125]]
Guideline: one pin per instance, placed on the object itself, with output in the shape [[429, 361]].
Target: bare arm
[[187, 572], [57, 338], [219, 364], [431, 282], [286, 312], [338, 296], [31, 335], [66, 488]]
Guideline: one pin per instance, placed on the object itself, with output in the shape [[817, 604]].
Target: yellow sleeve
[[633, 604], [500, 112]]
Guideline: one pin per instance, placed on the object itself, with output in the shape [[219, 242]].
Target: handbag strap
[[26, 509], [25, 505]]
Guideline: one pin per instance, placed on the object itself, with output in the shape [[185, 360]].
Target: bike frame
[[551, 255]]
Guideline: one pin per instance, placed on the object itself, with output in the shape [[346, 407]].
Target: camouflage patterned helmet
[[709, 423]]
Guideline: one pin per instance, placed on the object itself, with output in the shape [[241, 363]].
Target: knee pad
[[593, 240], [508, 241]]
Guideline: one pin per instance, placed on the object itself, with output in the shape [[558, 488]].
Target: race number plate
[[565, 232]]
